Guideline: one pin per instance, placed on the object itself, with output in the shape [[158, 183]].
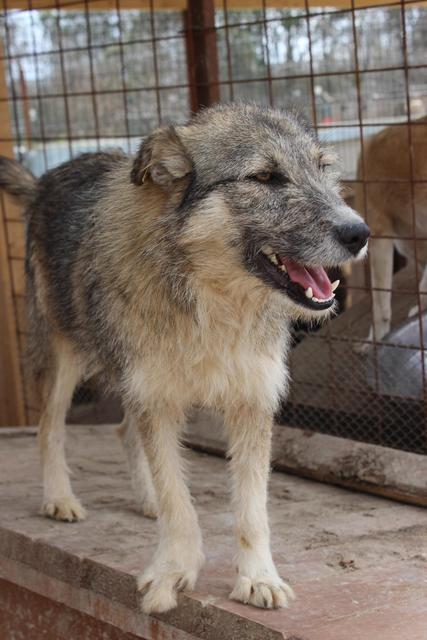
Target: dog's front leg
[[258, 583], [422, 293], [179, 556], [381, 263]]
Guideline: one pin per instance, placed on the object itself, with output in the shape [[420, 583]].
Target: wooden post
[[12, 407], [202, 53]]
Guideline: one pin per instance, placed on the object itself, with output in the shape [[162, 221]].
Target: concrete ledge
[[26, 615], [357, 562]]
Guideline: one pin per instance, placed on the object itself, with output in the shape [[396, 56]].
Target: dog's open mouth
[[308, 286]]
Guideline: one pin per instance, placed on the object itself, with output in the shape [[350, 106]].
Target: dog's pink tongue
[[314, 277]]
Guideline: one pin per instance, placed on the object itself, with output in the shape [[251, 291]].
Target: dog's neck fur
[[215, 328]]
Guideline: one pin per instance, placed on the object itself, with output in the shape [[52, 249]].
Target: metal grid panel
[[82, 77], [354, 70]]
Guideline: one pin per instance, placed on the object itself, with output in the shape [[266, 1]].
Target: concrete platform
[[358, 563]]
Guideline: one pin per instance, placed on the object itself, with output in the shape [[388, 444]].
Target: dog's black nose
[[353, 236]]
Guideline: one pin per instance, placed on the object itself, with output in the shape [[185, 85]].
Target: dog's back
[[59, 211], [389, 168], [391, 194], [61, 216]]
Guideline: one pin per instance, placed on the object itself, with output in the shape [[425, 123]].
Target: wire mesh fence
[[89, 75]]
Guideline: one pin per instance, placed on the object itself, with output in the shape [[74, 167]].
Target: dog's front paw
[[161, 582], [149, 509], [363, 348], [267, 592], [366, 347], [413, 311], [67, 509]]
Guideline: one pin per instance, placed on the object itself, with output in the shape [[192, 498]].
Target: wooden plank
[[21, 314], [11, 392], [181, 5], [22, 339], [395, 474], [33, 416], [18, 276], [13, 212], [33, 401], [12, 410], [16, 239], [383, 471]]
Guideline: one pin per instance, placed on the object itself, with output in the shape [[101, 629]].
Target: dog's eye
[[263, 176], [268, 177], [324, 165]]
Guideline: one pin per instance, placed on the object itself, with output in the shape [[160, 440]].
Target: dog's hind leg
[[258, 583], [60, 381], [141, 479], [179, 556], [381, 266], [423, 294]]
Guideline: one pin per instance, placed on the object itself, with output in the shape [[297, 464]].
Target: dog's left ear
[[162, 158]]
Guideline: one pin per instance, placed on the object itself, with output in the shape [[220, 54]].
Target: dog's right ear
[[162, 158]]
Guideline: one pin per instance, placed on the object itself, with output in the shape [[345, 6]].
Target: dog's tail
[[17, 181]]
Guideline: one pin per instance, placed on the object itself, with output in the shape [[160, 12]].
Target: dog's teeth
[[282, 268], [267, 250], [335, 284], [323, 300], [309, 293], [273, 259]]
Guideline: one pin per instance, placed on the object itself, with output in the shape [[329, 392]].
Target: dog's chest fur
[[231, 353]]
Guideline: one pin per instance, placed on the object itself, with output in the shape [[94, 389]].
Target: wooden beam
[[181, 5], [202, 54], [16, 239], [12, 409], [359, 466]]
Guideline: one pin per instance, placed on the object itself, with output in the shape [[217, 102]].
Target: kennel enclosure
[[80, 76]]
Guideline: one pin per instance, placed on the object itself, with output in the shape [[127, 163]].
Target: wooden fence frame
[[12, 405]]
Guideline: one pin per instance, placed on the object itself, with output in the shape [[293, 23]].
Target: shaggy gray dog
[[175, 274]]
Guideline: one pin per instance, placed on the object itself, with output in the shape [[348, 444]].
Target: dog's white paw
[[413, 311], [67, 509], [363, 348], [267, 592], [149, 509], [163, 579], [161, 590]]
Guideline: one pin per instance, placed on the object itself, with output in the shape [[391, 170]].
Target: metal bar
[[155, 61], [209, 82]]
